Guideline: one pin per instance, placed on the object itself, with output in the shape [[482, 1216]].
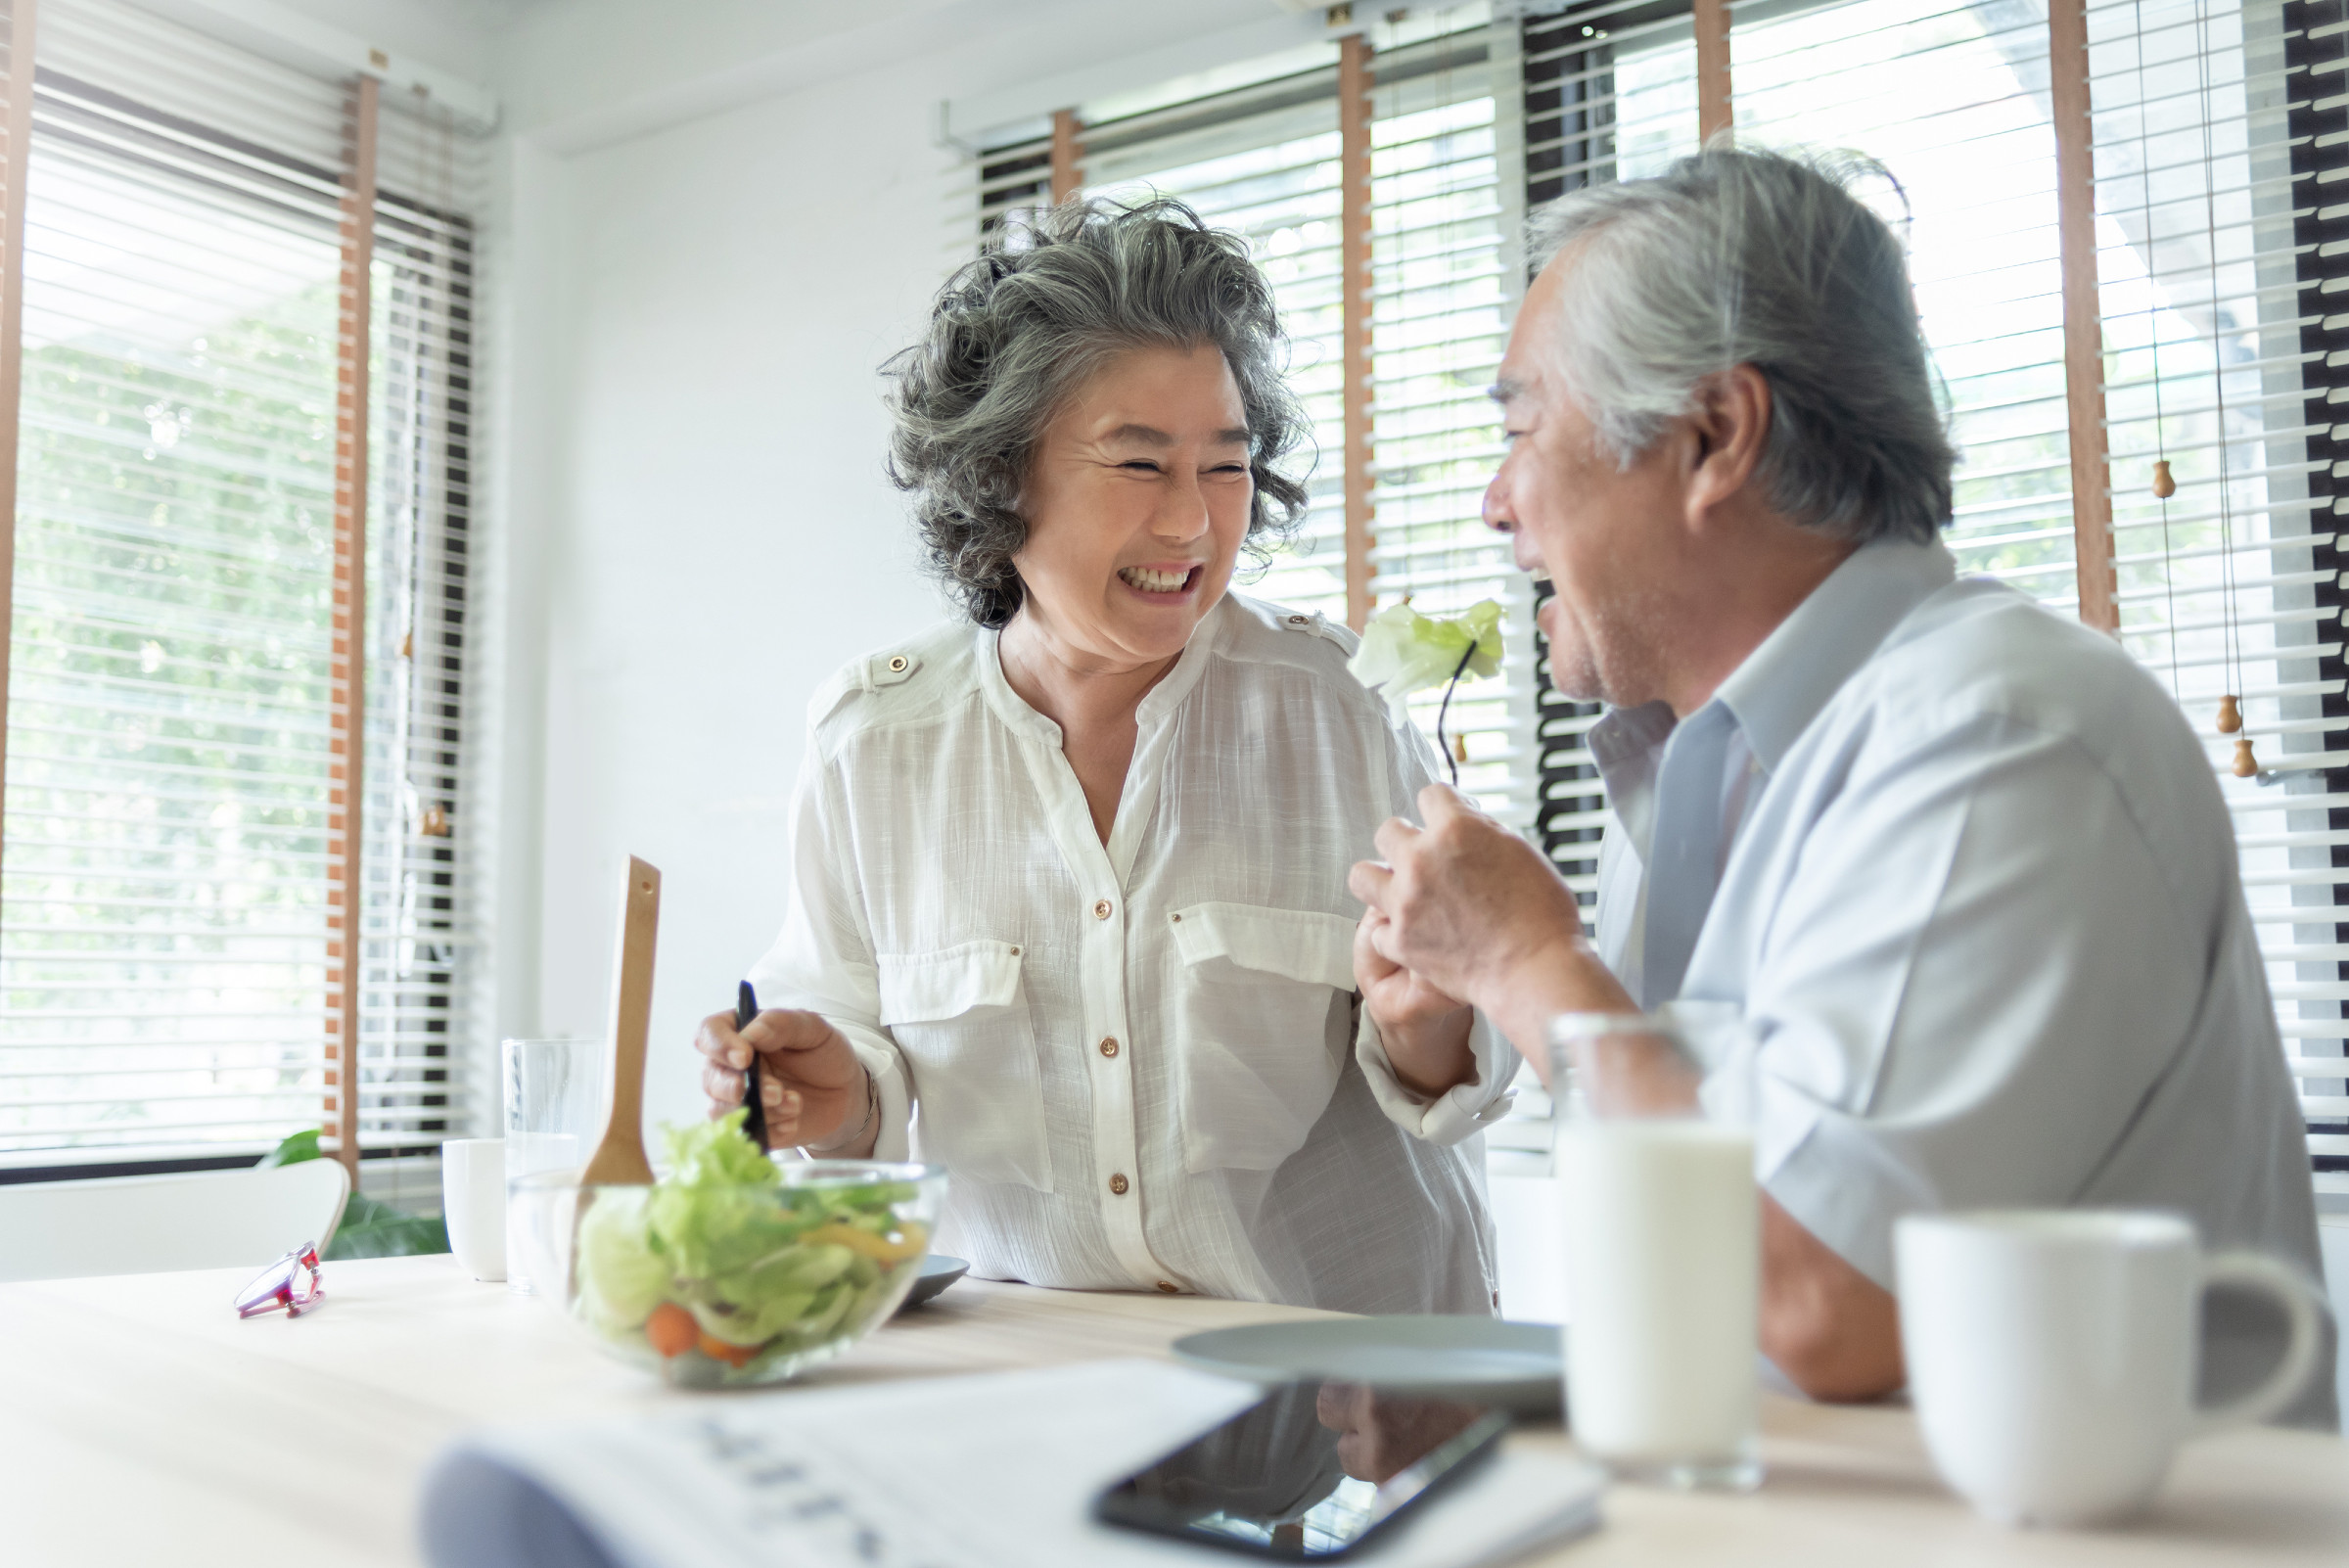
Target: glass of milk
[[1663, 1258]]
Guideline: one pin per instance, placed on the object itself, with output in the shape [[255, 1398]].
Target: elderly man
[[1950, 868]]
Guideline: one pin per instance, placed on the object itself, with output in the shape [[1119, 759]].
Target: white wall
[[699, 529]]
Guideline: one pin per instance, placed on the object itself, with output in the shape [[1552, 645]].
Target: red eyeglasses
[[282, 1284]]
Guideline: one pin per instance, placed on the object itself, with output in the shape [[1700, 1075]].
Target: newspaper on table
[[996, 1470]]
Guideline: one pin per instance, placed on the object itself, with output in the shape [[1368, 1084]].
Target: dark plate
[[938, 1273]]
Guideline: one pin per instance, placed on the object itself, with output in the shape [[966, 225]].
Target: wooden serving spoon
[[620, 1159]]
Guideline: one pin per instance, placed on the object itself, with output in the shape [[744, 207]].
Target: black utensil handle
[[745, 1008]]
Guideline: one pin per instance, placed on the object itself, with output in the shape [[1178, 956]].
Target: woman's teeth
[[1152, 580]]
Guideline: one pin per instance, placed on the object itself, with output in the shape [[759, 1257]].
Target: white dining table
[[142, 1422]]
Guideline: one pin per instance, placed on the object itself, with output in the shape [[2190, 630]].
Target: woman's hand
[[814, 1087], [1425, 1031]]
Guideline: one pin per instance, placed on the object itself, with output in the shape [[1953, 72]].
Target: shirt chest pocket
[[960, 1016], [1262, 1029]]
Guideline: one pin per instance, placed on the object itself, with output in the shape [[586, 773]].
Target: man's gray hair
[[1013, 334], [1746, 257]]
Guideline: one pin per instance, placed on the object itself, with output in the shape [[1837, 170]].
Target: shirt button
[[1118, 1183], [1109, 1046], [1101, 910], [1169, 1286]]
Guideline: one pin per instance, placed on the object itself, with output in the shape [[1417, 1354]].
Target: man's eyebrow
[[1237, 436]]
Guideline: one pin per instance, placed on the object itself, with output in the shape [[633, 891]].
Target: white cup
[[472, 1202], [2052, 1354]]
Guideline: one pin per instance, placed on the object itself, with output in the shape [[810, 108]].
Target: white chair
[[147, 1225]]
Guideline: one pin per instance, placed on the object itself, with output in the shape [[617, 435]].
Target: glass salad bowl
[[734, 1270]]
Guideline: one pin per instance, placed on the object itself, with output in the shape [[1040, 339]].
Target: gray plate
[[1481, 1358], [938, 1273]]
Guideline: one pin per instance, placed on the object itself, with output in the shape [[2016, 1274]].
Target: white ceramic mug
[[473, 1203], [2052, 1354]]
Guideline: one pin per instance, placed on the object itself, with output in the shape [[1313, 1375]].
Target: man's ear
[[1730, 425]]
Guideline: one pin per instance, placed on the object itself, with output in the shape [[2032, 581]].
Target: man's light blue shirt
[[1951, 875]]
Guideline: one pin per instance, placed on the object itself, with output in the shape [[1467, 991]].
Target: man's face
[[1609, 537]]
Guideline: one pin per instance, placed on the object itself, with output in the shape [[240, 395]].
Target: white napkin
[[992, 1472]]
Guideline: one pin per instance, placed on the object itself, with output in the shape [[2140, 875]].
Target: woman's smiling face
[[1137, 503]]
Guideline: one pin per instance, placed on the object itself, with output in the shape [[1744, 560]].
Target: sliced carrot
[[717, 1350], [672, 1329]]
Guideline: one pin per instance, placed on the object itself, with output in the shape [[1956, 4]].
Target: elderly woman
[[1068, 905]]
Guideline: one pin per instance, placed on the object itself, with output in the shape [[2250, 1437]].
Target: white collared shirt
[[1978, 926], [1138, 1061]]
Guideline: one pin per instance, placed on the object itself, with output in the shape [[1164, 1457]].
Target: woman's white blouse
[[1139, 1062]]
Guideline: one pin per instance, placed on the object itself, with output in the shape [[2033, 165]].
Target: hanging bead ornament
[[2231, 715], [435, 824], [2164, 486], [1459, 747], [2246, 765]]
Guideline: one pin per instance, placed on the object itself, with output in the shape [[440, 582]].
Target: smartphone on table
[[1311, 1471]]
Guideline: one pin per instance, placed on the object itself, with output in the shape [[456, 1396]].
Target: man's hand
[[814, 1087], [1468, 909], [1475, 912], [1425, 1032]]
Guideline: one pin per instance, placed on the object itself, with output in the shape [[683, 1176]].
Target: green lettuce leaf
[[715, 1212], [716, 1154], [1403, 651], [623, 1279]]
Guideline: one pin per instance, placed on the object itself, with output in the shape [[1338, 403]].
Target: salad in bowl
[[733, 1268]]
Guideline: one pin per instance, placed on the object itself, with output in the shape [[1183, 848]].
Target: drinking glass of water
[[553, 1094], [1663, 1258]]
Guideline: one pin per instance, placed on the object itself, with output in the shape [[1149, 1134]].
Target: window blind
[[2210, 142], [1446, 273], [1952, 98], [1609, 92], [165, 885], [2217, 136], [424, 1070]]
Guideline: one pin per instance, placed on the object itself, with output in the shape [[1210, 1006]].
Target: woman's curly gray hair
[[1016, 332]]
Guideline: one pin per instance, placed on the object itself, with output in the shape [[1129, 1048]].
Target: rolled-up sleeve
[[822, 960], [1463, 1109], [1975, 979]]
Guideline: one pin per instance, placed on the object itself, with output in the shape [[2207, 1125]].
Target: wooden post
[[1355, 282], [1714, 115], [16, 159], [2083, 323], [1068, 157], [346, 797]]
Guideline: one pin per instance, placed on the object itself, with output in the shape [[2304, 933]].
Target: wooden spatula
[[620, 1159]]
